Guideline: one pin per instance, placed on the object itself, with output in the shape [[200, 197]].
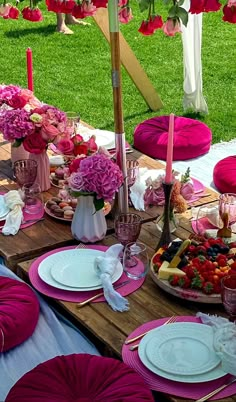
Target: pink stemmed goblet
[[132, 174], [127, 227], [228, 295], [25, 171]]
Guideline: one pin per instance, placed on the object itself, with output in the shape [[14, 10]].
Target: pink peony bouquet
[[14, 97], [182, 191], [34, 129], [99, 176]]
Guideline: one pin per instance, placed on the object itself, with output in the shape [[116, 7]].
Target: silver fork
[[171, 320], [81, 245]]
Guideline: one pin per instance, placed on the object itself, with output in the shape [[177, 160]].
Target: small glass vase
[[88, 225], [173, 221], [43, 171]]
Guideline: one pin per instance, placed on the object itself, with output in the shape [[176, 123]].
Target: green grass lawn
[[73, 72]]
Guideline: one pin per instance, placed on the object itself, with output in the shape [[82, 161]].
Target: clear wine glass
[[135, 260], [228, 295], [25, 171], [132, 174], [72, 119]]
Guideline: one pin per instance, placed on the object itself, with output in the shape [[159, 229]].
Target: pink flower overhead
[[146, 28], [125, 15], [229, 14], [171, 27], [97, 175]]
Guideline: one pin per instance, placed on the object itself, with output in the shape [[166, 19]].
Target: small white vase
[[88, 225]]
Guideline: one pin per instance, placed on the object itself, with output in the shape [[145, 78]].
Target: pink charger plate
[[26, 216], [78, 297], [160, 384]]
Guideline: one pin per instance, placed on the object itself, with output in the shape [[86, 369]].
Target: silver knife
[[100, 294]]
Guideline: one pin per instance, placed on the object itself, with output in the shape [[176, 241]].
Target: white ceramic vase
[[88, 225]]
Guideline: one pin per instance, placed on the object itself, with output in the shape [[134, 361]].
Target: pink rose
[[49, 132], [187, 190], [231, 3], [88, 9], [34, 143], [125, 15], [92, 146], [171, 27], [65, 146], [4, 10]]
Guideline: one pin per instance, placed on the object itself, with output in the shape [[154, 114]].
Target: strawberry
[[208, 288], [217, 288], [156, 258], [184, 282], [233, 266], [173, 280], [190, 272], [197, 282]]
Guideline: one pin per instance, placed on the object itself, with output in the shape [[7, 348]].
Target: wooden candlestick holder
[[165, 238]]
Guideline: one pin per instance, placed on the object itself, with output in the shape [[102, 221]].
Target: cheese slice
[[165, 271]]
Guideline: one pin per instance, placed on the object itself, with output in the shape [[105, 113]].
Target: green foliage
[[73, 72]]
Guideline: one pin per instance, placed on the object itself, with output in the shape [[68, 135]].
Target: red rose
[[74, 166], [146, 28], [77, 139], [67, 6], [17, 102], [34, 143], [66, 146], [78, 12], [229, 14], [81, 149], [155, 22], [92, 146], [13, 13], [100, 3], [53, 5], [211, 5], [33, 15], [196, 6]]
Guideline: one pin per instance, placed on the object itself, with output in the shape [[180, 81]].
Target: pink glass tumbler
[[25, 171], [127, 227], [228, 295]]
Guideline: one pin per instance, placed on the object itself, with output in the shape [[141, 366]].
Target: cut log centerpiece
[[198, 275]]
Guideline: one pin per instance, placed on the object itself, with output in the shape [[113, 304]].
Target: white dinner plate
[[183, 349], [184, 352], [105, 138], [4, 210], [75, 266]]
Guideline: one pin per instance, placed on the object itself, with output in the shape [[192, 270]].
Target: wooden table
[[52, 233], [108, 329]]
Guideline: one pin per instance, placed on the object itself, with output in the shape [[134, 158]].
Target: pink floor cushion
[[224, 175], [192, 138], [19, 312], [80, 378]]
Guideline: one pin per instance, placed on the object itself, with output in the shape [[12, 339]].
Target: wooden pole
[[117, 102]]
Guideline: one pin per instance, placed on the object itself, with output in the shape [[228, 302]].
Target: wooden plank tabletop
[[51, 233], [148, 303]]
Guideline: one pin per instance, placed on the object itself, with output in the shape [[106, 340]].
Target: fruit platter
[[193, 269]]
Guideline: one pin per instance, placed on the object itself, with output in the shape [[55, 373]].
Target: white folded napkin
[[105, 268], [138, 189], [15, 216], [224, 340]]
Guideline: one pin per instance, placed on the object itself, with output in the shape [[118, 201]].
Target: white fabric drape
[[192, 43]]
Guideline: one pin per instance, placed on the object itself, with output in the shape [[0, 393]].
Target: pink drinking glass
[[127, 227], [228, 295], [25, 171]]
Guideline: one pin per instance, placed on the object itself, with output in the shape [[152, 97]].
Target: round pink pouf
[[80, 378], [192, 138], [19, 312], [224, 175]]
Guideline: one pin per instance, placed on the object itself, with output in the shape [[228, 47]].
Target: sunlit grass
[[73, 72]]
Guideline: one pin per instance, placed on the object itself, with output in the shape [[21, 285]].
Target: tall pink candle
[[169, 156], [29, 58]]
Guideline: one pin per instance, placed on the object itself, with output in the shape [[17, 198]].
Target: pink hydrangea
[[99, 175], [15, 124]]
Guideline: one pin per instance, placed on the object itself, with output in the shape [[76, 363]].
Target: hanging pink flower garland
[[85, 8]]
